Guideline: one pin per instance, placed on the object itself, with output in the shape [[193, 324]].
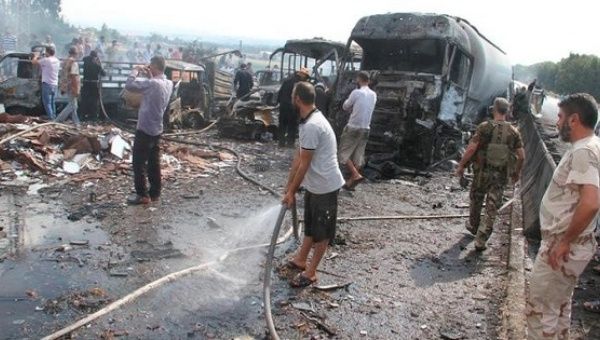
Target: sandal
[[592, 306], [301, 281], [292, 265], [354, 183], [351, 184]]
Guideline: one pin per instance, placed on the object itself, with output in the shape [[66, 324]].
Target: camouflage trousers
[[487, 186], [549, 299]]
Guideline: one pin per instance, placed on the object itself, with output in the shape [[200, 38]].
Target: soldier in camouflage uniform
[[567, 220], [520, 106], [493, 147]]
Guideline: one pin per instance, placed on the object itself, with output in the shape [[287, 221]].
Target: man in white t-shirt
[[353, 141], [315, 167], [70, 85], [50, 66]]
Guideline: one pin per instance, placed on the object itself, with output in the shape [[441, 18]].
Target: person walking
[[288, 117], [90, 96], [156, 90], [568, 214], [315, 167], [70, 84], [493, 146], [50, 66], [355, 135]]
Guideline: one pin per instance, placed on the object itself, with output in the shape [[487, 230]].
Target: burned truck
[[322, 56], [435, 77], [253, 118]]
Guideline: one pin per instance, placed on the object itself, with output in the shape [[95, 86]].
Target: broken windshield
[[417, 55]]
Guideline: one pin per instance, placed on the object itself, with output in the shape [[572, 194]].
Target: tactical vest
[[497, 152]]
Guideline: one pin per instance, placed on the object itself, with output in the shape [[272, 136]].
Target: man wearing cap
[[243, 82], [494, 145], [288, 116]]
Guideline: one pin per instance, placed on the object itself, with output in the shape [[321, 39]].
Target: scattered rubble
[[93, 152], [83, 301]]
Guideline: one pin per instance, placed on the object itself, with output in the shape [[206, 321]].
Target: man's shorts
[[320, 215], [352, 145]]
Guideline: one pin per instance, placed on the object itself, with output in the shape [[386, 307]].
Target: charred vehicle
[[435, 77], [254, 118], [20, 89], [189, 101], [322, 56], [219, 77], [20, 85]]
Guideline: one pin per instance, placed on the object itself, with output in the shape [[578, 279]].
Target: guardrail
[[537, 173]]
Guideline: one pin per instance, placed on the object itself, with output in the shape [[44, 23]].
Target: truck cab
[[434, 75]]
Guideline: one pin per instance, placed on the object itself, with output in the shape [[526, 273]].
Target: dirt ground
[[408, 279]]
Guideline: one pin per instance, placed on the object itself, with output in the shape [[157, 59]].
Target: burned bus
[[435, 77]]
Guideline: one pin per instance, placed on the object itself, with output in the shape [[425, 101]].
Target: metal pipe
[[267, 276]]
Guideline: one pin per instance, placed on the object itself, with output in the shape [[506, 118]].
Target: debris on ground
[[83, 301], [88, 153]]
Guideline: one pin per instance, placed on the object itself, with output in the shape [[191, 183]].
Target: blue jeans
[[48, 99], [69, 110]]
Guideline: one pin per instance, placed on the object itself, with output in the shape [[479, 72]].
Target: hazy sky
[[529, 31]]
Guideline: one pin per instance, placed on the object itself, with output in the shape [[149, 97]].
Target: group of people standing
[[69, 83]]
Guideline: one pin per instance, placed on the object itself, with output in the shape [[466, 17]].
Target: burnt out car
[[434, 75], [20, 84]]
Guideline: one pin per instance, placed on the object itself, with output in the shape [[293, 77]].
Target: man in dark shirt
[[92, 71], [243, 82], [288, 117]]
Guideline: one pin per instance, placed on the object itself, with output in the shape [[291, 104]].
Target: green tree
[[576, 73]]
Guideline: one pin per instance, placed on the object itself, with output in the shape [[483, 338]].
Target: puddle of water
[[46, 224]]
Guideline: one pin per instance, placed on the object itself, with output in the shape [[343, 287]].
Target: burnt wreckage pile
[[32, 153], [435, 76]]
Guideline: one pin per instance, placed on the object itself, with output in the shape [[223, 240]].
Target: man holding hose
[[315, 167]]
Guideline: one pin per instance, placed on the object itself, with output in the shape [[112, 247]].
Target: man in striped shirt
[[8, 42]]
